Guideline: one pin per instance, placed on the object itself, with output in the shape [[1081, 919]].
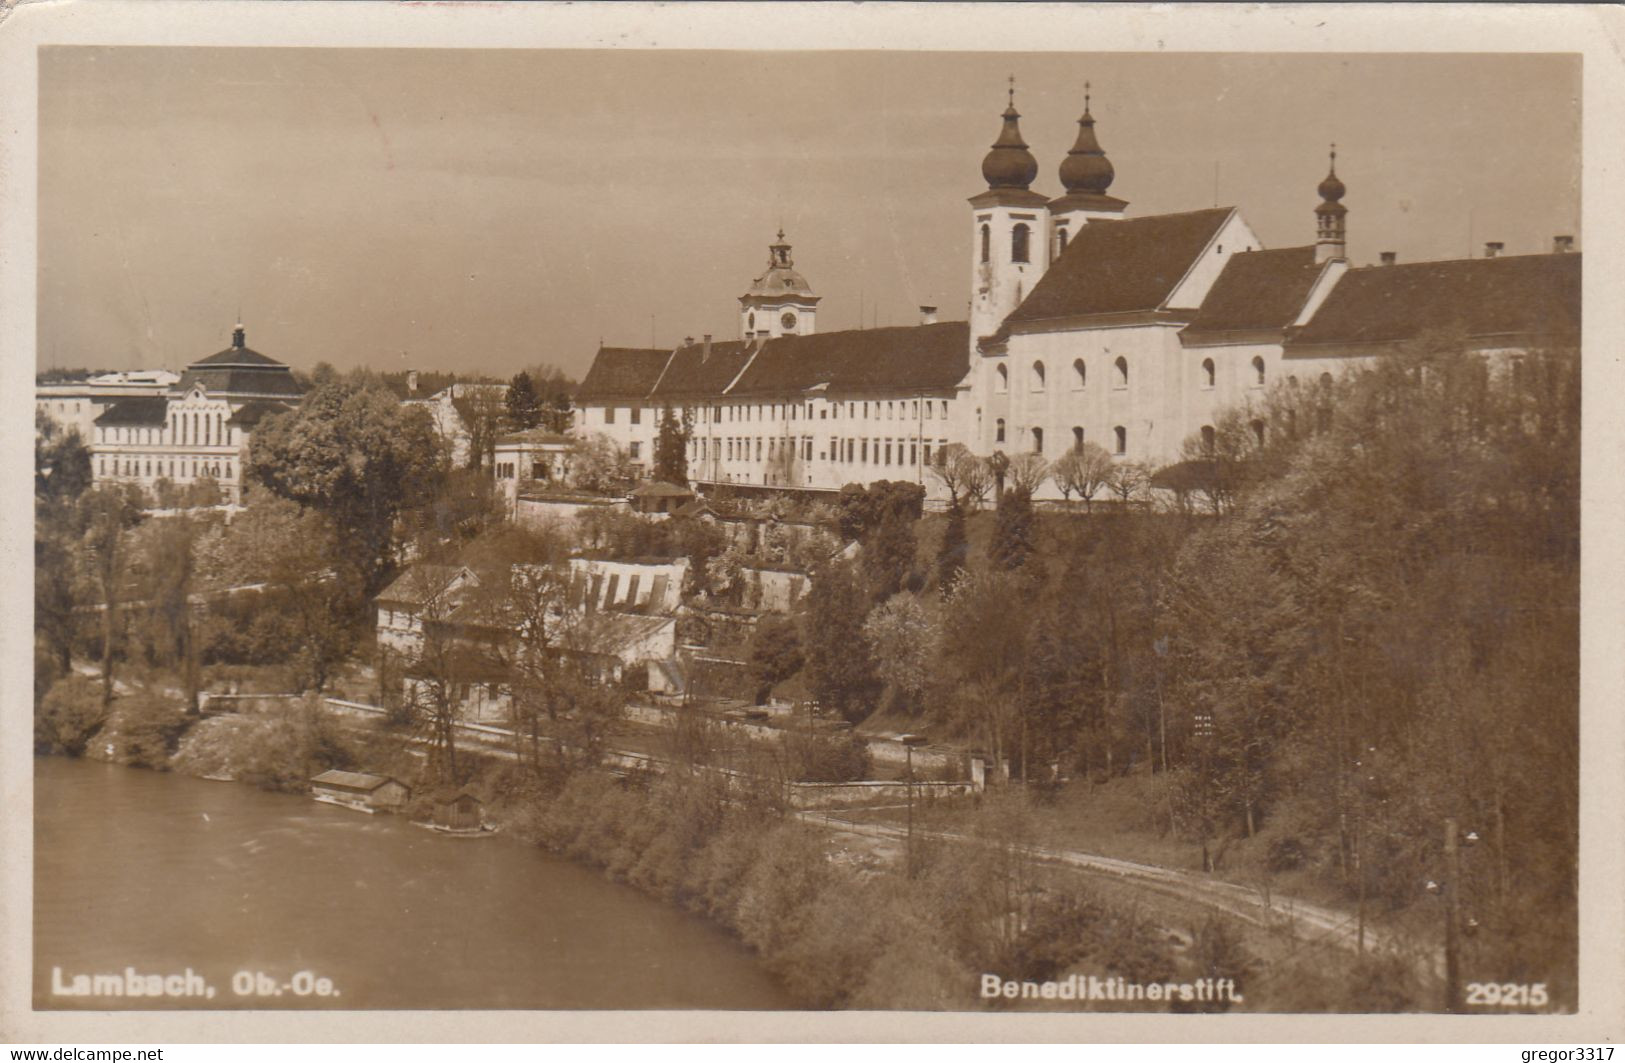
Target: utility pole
[[1452, 945]]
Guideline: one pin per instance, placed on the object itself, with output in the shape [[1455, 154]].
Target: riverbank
[[840, 923]]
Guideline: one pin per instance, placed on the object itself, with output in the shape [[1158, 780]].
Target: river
[[273, 892]]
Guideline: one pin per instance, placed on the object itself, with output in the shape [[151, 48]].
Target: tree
[[1086, 470], [1014, 530], [107, 515], [839, 667], [62, 474], [966, 477], [483, 413], [888, 553], [524, 405], [955, 548], [171, 568], [598, 465], [775, 653], [1130, 479], [983, 658], [903, 642], [671, 448], [361, 459], [1027, 472]]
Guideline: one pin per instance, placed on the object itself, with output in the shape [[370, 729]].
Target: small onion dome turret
[[1086, 168], [1331, 190], [1010, 164]]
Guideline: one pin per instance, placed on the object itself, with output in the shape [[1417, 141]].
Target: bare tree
[[1130, 479], [1027, 472], [1086, 470], [965, 476]]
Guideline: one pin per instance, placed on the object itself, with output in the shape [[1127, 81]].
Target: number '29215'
[[1507, 995]]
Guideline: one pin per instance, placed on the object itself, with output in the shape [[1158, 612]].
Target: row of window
[[860, 450], [147, 467], [1021, 240], [183, 430], [1080, 375], [509, 470], [890, 410], [1119, 437]]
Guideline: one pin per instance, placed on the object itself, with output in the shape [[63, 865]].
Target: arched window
[[1325, 380], [1258, 431], [1258, 370], [1038, 440], [1207, 439], [1020, 237], [987, 243], [1063, 239], [1080, 374], [1122, 371], [1077, 437], [752, 319], [1038, 376], [998, 430], [1292, 382], [1001, 380], [1208, 372], [1120, 435]]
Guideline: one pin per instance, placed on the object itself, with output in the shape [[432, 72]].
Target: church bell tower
[[779, 302]]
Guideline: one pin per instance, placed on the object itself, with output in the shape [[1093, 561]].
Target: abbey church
[[1087, 324]]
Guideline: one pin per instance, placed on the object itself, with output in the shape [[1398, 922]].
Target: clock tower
[[779, 302]]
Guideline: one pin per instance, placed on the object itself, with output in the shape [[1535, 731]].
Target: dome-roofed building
[[200, 429], [780, 302]]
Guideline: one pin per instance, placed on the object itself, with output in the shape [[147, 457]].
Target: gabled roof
[[1113, 267], [693, 374], [661, 489], [251, 413], [352, 780], [419, 584], [1258, 290], [622, 373], [1519, 298], [913, 357], [532, 435], [140, 411]]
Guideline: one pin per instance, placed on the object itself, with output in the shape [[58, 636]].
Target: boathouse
[[457, 810], [361, 789]]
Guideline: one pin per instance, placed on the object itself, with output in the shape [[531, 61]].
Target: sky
[[488, 210]]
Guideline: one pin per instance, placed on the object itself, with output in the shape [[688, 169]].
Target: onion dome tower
[[1330, 216], [1086, 173], [1009, 250]]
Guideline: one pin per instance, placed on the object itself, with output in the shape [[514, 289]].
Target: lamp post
[[1450, 890], [909, 742]]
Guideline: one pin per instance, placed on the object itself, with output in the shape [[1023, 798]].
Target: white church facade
[[1086, 325]]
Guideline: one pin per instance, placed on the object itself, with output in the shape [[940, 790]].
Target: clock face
[[788, 320]]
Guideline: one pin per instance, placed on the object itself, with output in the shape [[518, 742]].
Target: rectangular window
[[609, 415], [758, 448], [865, 451], [637, 414], [634, 451], [913, 454], [927, 448], [888, 452]]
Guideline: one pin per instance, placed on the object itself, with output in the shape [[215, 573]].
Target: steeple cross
[[1012, 90]]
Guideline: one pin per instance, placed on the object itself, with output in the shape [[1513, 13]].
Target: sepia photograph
[[1002, 530]]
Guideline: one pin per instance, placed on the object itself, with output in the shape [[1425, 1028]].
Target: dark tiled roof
[[622, 373], [691, 374], [251, 413], [1113, 267], [1520, 296], [218, 381], [418, 584], [661, 489], [913, 357], [532, 435], [141, 411], [235, 356], [1258, 290]]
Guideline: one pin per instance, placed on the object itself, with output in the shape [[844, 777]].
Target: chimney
[[238, 337], [928, 315], [1493, 249], [705, 351], [1389, 258], [411, 381], [688, 341], [1562, 245]]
